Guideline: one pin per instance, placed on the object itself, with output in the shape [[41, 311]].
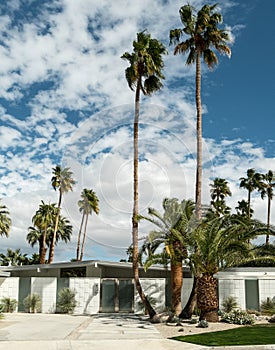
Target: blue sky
[[64, 99]]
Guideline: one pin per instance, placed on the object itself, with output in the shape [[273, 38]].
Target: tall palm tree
[[172, 227], [266, 189], [87, 205], [144, 74], [203, 36], [63, 182], [5, 221], [219, 190], [250, 183]]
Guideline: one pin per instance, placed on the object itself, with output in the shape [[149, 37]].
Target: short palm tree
[[203, 36], [42, 220], [5, 221], [172, 227], [13, 257], [217, 244], [243, 209], [63, 182], [88, 204], [144, 74], [42, 231], [266, 189]]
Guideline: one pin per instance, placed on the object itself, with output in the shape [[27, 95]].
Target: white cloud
[[82, 116]]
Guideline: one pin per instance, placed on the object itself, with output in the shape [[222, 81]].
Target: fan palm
[[63, 182], [42, 231], [219, 190], [250, 183], [87, 205], [203, 36], [13, 257], [5, 221], [266, 189], [144, 74], [172, 227]]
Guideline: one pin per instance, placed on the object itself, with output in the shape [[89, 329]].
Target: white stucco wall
[[234, 288], [154, 288], [266, 289], [46, 288], [9, 288], [87, 294], [186, 290]]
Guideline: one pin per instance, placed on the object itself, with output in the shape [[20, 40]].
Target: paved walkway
[[21, 331]]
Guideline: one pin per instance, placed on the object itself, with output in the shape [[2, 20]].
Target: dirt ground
[[168, 331]]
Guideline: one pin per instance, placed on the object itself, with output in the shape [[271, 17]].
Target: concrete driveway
[[70, 332]]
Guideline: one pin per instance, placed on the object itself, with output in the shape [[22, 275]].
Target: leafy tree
[[250, 183], [87, 205], [266, 187], [63, 182], [172, 227], [144, 74], [203, 35], [5, 221]]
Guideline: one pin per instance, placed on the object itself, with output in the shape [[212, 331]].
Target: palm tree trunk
[[52, 246], [268, 220], [43, 249], [189, 308], [207, 300], [199, 139], [143, 298], [84, 238], [79, 237], [176, 280]]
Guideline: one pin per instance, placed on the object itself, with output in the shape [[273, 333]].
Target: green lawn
[[248, 335]]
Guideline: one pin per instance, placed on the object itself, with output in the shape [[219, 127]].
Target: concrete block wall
[[87, 294], [154, 288], [46, 288], [266, 289], [9, 287], [234, 288]]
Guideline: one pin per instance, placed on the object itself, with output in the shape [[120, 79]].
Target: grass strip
[[247, 335]]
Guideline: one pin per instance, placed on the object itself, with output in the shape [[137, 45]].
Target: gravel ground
[[168, 331]]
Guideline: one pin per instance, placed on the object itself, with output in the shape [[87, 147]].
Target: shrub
[[237, 317], [272, 319], [66, 300], [203, 324], [32, 303], [268, 307], [193, 321], [8, 304], [229, 304]]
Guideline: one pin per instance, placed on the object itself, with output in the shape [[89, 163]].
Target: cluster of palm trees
[[220, 240], [49, 225], [144, 74]]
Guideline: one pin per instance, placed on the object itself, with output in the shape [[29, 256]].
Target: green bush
[[8, 304], [66, 300], [203, 324], [268, 307], [32, 303], [229, 304], [237, 317]]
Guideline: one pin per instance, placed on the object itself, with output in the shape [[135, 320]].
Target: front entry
[[117, 295]]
